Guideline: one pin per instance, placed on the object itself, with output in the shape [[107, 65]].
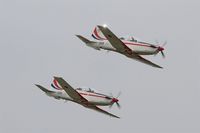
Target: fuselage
[[92, 97], [137, 47]]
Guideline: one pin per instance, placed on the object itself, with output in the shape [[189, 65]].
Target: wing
[[70, 91], [102, 111], [114, 40], [143, 60], [122, 48]]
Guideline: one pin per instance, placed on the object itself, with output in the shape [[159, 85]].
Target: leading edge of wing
[[103, 111], [143, 60], [69, 90], [114, 40]]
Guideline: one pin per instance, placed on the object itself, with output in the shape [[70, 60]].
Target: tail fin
[[43, 89], [56, 85], [97, 34], [85, 40]]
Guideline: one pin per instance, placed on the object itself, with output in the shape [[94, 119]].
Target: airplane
[[130, 47], [84, 96]]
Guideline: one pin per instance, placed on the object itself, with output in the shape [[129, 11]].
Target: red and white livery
[[129, 47], [83, 96]]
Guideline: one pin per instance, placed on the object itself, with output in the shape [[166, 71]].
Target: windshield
[[78, 89], [132, 39], [85, 89], [129, 38]]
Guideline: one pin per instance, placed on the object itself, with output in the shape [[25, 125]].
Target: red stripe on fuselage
[[89, 94], [137, 44]]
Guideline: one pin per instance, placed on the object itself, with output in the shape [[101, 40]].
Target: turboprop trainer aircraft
[[83, 96], [129, 47]]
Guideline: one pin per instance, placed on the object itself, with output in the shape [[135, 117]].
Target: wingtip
[[77, 35], [118, 117], [37, 85], [157, 66], [56, 77], [99, 26], [114, 116]]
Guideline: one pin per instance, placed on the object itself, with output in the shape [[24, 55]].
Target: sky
[[37, 42]]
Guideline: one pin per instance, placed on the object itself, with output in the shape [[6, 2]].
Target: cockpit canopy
[[86, 89], [129, 38]]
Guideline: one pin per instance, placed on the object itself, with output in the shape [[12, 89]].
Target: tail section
[[85, 40], [97, 34], [56, 85], [88, 42]]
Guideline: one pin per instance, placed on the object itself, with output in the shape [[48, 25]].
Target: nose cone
[[160, 48], [114, 100]]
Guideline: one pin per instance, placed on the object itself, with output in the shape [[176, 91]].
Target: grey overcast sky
[[37, 42]]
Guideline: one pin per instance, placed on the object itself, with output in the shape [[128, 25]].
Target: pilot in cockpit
[[132, 39], [90, 90]]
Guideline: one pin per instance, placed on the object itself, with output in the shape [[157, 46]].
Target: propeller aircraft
[[83, 96], [130, 47]]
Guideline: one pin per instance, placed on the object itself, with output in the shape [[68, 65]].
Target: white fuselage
[[92, 97], [137, 47]]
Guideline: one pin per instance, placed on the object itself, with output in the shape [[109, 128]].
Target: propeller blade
[[111, 94], [160, 48], [115, 100], [118, 94], [164, 44], [118, 105], [163, 55], [156, 41]]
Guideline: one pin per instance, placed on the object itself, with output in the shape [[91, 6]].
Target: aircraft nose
[[160, 48], [114, 100]]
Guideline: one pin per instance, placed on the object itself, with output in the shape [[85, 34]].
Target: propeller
[[115, 100], [160, 48], [118, 105], [162, 53], [119, 93]]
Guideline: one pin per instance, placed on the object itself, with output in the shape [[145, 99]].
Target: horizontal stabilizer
[[88, 42], [85, 40], [44, 89]]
